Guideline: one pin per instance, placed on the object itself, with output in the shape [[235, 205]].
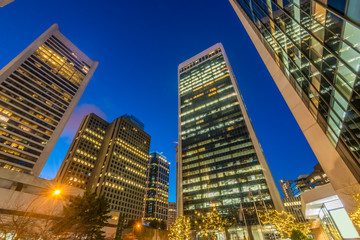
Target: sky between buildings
[[139, 45]]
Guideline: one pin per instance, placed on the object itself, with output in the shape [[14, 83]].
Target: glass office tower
[[39, 90], [312, 50], [157, 188], [221, 161]]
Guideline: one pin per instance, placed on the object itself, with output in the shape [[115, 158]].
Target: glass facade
[[36, 94], [157, 187], [317, 46], [220, 165]]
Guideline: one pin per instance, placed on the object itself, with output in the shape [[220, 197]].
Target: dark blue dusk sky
[[139, 45]]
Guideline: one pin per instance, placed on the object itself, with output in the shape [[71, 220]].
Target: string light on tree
[[181, 229], [284, 222], [355, 216], [211, 224]]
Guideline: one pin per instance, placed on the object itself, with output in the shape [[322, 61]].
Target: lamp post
[[138, 226], [53, 193]]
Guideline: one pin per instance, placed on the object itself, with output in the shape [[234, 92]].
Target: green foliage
[[144, 233], [131, 223], [181, 229], [298, 235], [210, 224], [163, 225], [83, 218], [120, 227], [154, 224]]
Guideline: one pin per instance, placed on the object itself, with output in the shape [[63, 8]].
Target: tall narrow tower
[[39, 90], [221, 161], [157, 188], [311, 49]]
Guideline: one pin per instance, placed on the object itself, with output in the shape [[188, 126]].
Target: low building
[[329, 217], [317, 178], [172, 214], [24, 197], [293, 188], [299, 185]]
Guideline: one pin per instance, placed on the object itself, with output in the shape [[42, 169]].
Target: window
[[352, 35], [353, 10], [338, 5]]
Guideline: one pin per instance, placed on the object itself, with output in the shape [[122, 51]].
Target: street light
[[138, 226], [28, 212]]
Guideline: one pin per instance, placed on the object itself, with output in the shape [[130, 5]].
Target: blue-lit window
[[338, 5]]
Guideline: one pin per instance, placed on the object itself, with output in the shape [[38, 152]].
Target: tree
[[284, 222], [83, 217], [27, 222], [211, 224], [120, 227], [131, 223], [154, 224], [355, 216], [298, 235], [181, 229], [163, 225]]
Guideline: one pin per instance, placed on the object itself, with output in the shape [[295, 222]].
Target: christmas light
[[181, 229], [284, 222], [355, 216], [211, 224]]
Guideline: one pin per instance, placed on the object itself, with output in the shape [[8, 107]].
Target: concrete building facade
[[32, 200], [3, 3], [81, 158], [293, 206], [39, 90], [172, 214], [120, 169]]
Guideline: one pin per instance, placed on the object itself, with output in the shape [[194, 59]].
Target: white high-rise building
[[5, 2], [39, 90]]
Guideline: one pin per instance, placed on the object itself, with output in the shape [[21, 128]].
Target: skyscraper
[[221, 161], [286, 188], [299, 185], [317, 177], [39, 90], [172, 214], [120, 171], [293, 206], [311, 49], [157, 188], [179, 199], [5, 2], [81, 158]]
